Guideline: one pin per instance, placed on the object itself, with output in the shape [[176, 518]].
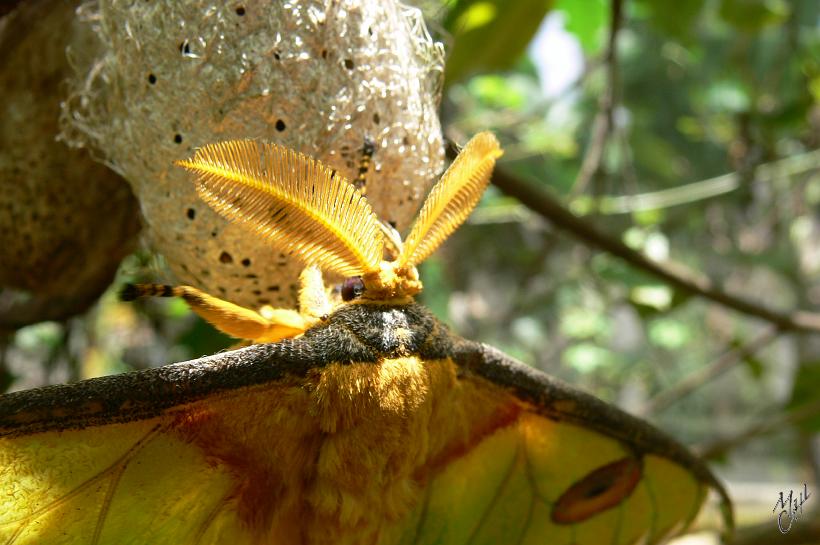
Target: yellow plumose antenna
[[452, 199], [301, 205], [292, 200]]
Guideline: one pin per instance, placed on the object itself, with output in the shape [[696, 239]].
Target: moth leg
[[231, 319], [314, 303]]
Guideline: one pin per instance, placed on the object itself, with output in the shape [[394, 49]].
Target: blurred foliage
[[710, 165], [490, 34]]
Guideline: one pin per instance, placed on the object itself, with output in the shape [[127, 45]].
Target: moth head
[[302, 206]]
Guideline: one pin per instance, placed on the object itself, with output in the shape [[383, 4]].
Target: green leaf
[[202, 338], [805, 389], [669, 333], [498, 92], [587, 20], [656, 296], [650, 217], [752, 15], [581, 323], [44, 334], [676, 19], [728, 95], [436, 288], [587, 357], [7, 378], [814, 88], [754, 364], [177, 308], [490, 34]]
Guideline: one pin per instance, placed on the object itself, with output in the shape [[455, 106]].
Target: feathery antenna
[[452, 199], [292, 200]]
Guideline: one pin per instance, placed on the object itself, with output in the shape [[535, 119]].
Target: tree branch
[[719, 447], [701, 376], [602, 125], [541, 202]]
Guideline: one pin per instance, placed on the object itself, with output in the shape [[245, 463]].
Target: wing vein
[[122, 461], [209, 520], [106, 503], [497, 495], [423, 516]]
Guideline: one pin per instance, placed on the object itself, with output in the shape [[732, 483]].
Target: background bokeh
[[690, 134]]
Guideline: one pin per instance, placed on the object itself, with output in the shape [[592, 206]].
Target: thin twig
[[693, 193], [540, 201], [602, 125], [704, 374], [719, 447], [706, 189]]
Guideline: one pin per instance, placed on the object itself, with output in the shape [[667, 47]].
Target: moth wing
[[200, 453], [152, 456], [567, 469], [112, 484]]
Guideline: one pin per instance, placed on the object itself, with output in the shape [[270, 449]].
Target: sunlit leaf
[[582, 323], [176, 308], [528, 331], [490, 34], [814, 87], [476, 15], [587, 20], [498, 92], [656, 296], [45, 334], [543, 139], [669, 333], [728, 95], [649, 217], [587, 357]]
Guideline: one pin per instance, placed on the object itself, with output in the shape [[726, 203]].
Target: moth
[[356, 419]]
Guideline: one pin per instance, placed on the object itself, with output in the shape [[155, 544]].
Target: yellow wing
[[119, 483], [280, 444], [515, 485]]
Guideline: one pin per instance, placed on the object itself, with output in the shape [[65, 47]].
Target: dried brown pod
[[66, 221]]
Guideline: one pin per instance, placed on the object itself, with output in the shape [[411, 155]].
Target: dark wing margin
[[557, 400], [350, 335], [148, 393]]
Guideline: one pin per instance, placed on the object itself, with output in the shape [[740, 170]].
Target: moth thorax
[[391, 281]]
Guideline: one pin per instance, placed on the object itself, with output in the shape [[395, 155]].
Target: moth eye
[[352, 288], [598, 491]]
